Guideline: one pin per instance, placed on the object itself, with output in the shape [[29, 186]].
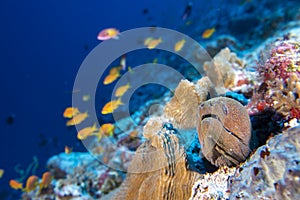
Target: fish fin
[[95, 126], [120, 101], [116, 37]]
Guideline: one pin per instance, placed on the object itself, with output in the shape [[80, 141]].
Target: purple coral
[[282, 63], [280, 76]]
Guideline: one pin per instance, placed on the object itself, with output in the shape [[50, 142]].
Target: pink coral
[[283, 61]]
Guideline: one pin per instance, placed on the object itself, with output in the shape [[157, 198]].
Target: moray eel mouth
[[225, 128]]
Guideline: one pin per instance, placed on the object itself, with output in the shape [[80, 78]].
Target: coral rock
[[224, 131], [273, 172], [213, 185]]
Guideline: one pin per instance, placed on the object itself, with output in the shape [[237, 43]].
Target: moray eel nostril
[[224, 131]]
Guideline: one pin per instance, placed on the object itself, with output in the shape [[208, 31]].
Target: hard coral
[[283, 61], [272, 172], [158, 169], [182, 109], [222, 70], [280, 87]]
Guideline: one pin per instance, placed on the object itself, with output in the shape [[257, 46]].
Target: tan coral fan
[[222, 70], [171, 180], [182, 109]]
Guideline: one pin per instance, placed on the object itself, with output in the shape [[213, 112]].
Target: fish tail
[[119, 101], [95, 126]]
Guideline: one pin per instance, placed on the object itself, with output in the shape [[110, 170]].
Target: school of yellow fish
[[76, 117], [32, 183]]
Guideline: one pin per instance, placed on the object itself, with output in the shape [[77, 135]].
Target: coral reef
[[224, 131], [222, 70], [278, 84], [84, 176], [160, 169], [213, 185], [164, 157], [272, 172], [182, 109]]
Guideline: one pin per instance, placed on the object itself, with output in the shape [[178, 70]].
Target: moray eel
[[224, 131]]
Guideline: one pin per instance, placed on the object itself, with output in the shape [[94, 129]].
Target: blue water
[[42, 45]]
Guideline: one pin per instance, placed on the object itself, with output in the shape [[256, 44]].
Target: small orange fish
[[46, 180], [15, 185], [179, 45], [107, 129], [114, 73], [68, 150], [1, 173], [115, 70], [70, 112], [108, 33], [86, 132], [110, 78], [208, 33], [77, 119], [111, 106], [122, 89], [152, 43], [31, 183], [148, 40]]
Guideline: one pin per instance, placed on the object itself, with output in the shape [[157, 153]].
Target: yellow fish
[[86, 97], [178, 46], [111, 106], [15, 185], [122, 89], [110, 78], [86, 132], [114, 73], [108, 33], [208, 33], [46, 180], [152, 43], [1, 173], [77, 119], [31, 183], [107, 129], [115, 70], [70, 112], [68, 150], [148, 40]]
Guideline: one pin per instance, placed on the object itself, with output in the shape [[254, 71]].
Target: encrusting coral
[[272, 172]]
